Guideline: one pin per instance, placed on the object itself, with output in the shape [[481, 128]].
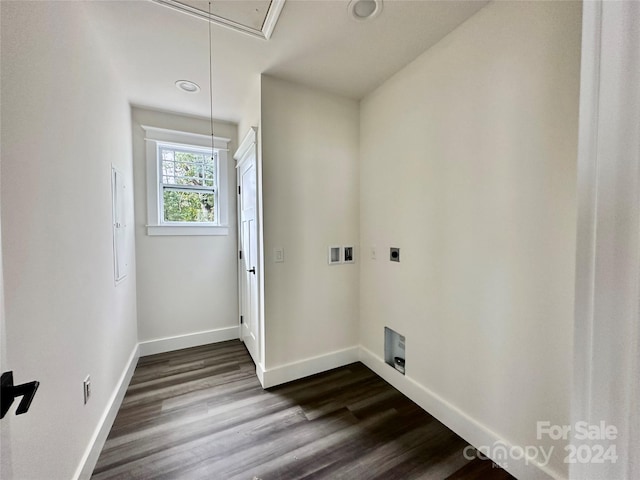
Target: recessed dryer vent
[[394, 353]]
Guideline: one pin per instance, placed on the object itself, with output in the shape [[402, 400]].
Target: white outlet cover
[[278, 255]]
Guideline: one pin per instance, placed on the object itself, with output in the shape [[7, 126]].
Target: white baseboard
[[260, 373], [465, 426], [309, 366], [90, 457], [168, 344]]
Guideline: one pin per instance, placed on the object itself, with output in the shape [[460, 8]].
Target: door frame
[[6, 468], [248, 147], [607, 311]]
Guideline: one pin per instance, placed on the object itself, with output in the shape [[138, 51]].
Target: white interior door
[[250, 328]]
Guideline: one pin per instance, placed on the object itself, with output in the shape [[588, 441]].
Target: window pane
[[167, 154], [208, 174], [187, 168], [188, 206]]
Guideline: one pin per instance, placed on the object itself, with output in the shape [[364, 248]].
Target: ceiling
[[315, 43]]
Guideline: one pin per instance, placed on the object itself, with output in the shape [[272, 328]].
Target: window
[[186, 183]]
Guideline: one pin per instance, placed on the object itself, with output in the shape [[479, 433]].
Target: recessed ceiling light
[[187, 86], [365, 9]]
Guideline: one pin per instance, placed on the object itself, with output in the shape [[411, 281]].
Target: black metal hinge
[[238, 189], [9, 392], [240, 254], [241, 319]]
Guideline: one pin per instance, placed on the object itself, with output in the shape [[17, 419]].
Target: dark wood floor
[[201, 413]]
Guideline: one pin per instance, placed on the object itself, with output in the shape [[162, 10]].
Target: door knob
[[252, 270], [9, 392]]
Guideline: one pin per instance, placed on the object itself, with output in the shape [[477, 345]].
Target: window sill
[[176, 230]]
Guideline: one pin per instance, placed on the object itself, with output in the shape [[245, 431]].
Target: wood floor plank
[[200, 413]]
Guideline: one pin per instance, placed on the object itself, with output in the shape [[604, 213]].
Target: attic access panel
[[253, 17]]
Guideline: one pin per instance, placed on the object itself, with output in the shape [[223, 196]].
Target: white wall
[[250, 116], [310, 198], [186, 284], [468, 164], [65, 120]]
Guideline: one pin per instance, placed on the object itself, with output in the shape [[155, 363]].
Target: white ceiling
[[315, 42]]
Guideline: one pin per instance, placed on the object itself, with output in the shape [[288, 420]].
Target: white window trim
[[155, 135]]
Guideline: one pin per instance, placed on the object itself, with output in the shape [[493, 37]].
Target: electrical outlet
[[373, 252], [348, 254], [86, 386]]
